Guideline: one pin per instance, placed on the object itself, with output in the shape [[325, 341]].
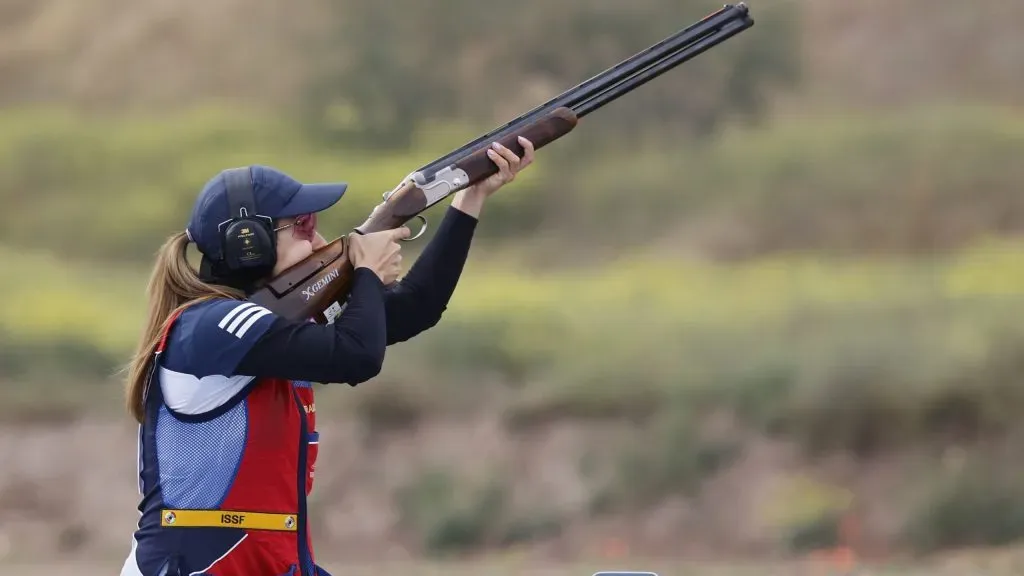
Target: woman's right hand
[[378, 251]]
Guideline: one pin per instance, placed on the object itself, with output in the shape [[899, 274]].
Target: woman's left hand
[[509, 165], [471, 200]]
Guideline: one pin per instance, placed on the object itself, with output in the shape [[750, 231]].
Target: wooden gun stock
[[312, 288]]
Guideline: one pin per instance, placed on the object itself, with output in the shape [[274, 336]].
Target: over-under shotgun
[[315, 287]]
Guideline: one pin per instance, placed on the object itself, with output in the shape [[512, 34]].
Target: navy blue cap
[[275, 194]]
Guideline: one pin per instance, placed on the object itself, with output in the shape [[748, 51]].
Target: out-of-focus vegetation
[[111, 188], [919, 346], [371, 94], [757, 235]]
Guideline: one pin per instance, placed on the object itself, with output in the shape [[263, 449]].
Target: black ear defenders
[[247, 239]]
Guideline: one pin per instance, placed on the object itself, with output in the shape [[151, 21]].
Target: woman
[[221, 387]]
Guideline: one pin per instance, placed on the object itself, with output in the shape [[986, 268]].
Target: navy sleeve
[[348, 351], [417, 302], [212, 337]]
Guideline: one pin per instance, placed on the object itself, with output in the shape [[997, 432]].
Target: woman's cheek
[[293, 254]]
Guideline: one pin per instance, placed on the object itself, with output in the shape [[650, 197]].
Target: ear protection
[[247, 239]]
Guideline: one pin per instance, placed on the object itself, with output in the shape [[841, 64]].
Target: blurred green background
[[763, 307]]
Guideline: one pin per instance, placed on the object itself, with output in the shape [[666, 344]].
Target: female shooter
[[221, 387]]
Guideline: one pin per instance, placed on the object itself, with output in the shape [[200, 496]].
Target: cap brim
[[313, 198]]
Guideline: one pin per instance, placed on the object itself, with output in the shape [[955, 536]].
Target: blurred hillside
[[153, 54], [159, 54], [770, 295]]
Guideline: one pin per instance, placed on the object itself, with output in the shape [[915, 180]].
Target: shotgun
[[317, 286]]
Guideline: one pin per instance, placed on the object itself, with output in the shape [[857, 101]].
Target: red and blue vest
[[225, 462]]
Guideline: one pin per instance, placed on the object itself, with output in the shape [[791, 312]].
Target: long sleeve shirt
[[351, 349]]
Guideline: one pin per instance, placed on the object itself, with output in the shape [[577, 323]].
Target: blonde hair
[[173, 286]]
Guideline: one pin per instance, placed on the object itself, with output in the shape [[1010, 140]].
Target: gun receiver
[[314, 287]]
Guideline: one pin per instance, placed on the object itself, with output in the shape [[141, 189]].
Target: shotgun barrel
[[619, 79]]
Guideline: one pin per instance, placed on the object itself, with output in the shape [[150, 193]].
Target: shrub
[[452, 515], [980, 503]]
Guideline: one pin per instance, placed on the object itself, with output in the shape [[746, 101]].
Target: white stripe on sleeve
[[241, 318]]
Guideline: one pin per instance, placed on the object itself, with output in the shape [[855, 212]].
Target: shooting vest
[[240, 510]]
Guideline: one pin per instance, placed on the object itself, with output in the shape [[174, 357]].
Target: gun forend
[[558, 123], [417, 193]]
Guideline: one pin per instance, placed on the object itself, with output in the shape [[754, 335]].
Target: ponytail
[[173, 285]]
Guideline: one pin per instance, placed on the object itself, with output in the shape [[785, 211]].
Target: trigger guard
[[422, 231]]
